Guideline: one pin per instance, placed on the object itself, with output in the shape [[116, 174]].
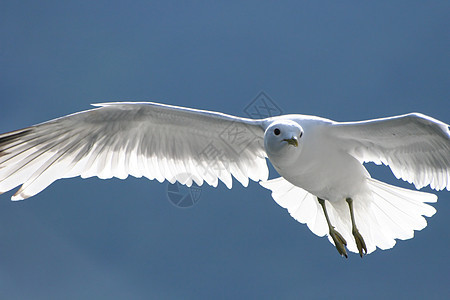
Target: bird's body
[[332, 172], [323, 180]]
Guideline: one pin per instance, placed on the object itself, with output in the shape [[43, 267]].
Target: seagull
[[323, 182]]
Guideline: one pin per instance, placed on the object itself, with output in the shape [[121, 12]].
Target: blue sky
[[109, 239]]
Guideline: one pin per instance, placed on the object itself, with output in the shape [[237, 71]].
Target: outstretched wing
[[416, 147], [140, 139]]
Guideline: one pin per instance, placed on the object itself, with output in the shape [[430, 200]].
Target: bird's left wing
[[416, 147], [140, 139]]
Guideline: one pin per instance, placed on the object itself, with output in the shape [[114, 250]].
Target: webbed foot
[[360, 244], [339, 242]]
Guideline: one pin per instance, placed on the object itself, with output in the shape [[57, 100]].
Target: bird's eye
[[301, 134], [276, 131]]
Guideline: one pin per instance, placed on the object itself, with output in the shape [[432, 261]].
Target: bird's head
[[282, 138]]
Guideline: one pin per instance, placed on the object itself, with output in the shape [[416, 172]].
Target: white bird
[[323, 181]]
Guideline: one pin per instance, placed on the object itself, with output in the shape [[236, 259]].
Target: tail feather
[[301, 205], [383, 215], [398, 211]]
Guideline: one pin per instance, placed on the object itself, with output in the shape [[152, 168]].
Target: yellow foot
[[359, 242], [339, 242]]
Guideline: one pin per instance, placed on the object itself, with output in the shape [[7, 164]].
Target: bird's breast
[[327, 173]]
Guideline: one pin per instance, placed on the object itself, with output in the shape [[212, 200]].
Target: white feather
[[416, 147], [386, 214], [172, 143], [142, 139]]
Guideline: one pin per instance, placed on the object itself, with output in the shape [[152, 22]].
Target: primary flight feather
[[323, 181]]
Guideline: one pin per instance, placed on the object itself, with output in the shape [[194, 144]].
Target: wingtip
[[17, 198], [19, 195], [431, 212], [98, 104], [102, 104], [432, 198]]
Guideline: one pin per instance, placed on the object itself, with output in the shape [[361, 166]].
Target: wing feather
[[157, 141], [416, 147]]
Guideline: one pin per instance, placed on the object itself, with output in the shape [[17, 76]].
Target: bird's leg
[[358, 237], [339, 241]]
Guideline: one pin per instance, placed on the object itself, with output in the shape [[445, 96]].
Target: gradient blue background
[[113, 239]]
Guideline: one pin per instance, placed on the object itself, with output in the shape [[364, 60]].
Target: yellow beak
[[292, 141]]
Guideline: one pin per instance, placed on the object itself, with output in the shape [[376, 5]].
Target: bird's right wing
[[140, 139], [416, 147]]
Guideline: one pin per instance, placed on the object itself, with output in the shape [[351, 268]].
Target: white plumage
[[316, 158], [139, 139], [390, 213]]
